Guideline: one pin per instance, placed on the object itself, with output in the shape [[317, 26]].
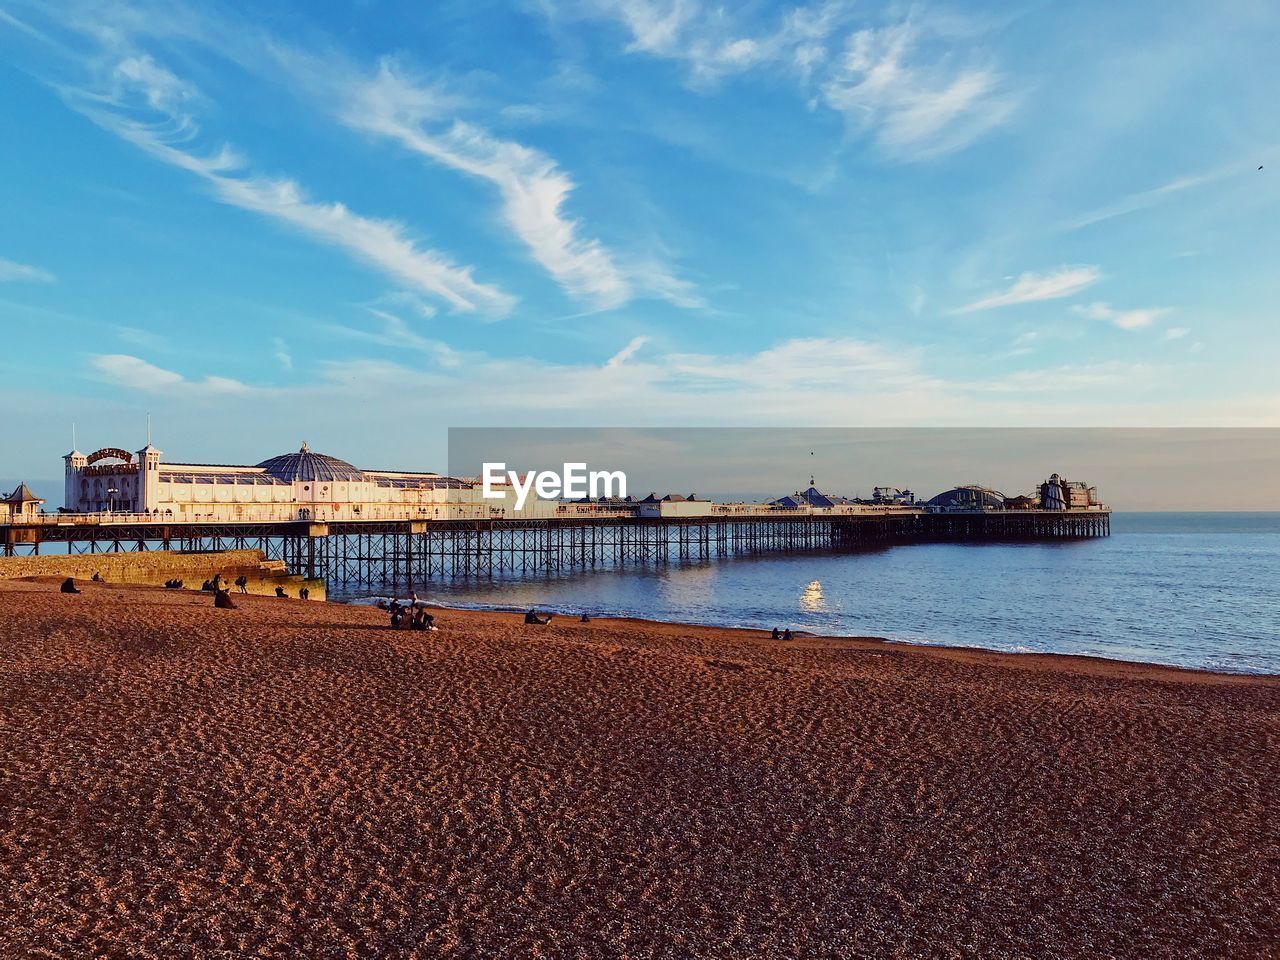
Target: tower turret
[[148, 479], [75, 463]]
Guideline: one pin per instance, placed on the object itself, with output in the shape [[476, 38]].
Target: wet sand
[[295, 779]]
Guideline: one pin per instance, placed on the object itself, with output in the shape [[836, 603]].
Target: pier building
[[969, 498], [1059, 494], [300, 485], [20, 505]]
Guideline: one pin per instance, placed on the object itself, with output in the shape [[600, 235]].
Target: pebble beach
[[293, 778]]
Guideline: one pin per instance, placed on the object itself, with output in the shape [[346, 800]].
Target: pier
[[404, 553]]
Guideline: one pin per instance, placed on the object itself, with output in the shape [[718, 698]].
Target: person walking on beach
[[242, 582]]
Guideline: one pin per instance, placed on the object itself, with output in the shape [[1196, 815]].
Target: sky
[[360, 224]]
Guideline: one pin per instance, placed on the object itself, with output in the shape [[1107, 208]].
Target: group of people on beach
[[542, 619], [412, 616], [217, 588], [782, 634]]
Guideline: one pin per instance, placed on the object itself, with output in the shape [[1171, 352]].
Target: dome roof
[[305, 465], [968, 498]]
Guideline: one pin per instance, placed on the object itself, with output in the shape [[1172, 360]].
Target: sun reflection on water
[[812, 600]]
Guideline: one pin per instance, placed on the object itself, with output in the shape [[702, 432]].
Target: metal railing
[[293, 514]]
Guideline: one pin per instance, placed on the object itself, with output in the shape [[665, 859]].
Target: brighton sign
[[109, 453]]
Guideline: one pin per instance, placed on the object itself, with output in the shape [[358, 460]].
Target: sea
[[1197, 590]]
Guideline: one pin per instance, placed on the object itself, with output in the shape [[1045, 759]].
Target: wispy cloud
[[1031, 287], [534, 189], [11, 271], [1144, 199], [917, 107], [1124, 319], [125, 370], [791, 381], [1068, 378], [137, 337], [280, 350], [708, 38], [812, 363], [626, 353], [907, 83], [143, 102], [392, 101], [404, 300], [1176, 333], [395, 334]]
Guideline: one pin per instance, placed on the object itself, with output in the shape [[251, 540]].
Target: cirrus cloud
[[126, 370], [12, 271], [1032, 287], [1124, 319]]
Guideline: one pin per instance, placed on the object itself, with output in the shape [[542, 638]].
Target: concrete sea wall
[[155, 567]]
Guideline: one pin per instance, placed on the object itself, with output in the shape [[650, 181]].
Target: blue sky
[[363, 223]]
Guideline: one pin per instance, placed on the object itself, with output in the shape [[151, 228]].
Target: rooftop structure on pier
[[22, 504], [966, 498]]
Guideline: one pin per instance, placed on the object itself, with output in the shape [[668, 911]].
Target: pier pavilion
[[301, 485]]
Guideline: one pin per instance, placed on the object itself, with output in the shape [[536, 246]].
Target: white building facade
[[294, 486]]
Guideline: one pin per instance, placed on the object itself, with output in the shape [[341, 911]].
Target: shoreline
[[764, 634], [1133, 667]]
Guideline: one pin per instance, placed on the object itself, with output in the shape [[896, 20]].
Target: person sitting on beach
[[304, 594], [777, 634], [222, 600], [206, 587], [541, 619], [69, 586], [97, 577], [584, 619], [243, 583], [786, 634], [422, 620], [281, 594]]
